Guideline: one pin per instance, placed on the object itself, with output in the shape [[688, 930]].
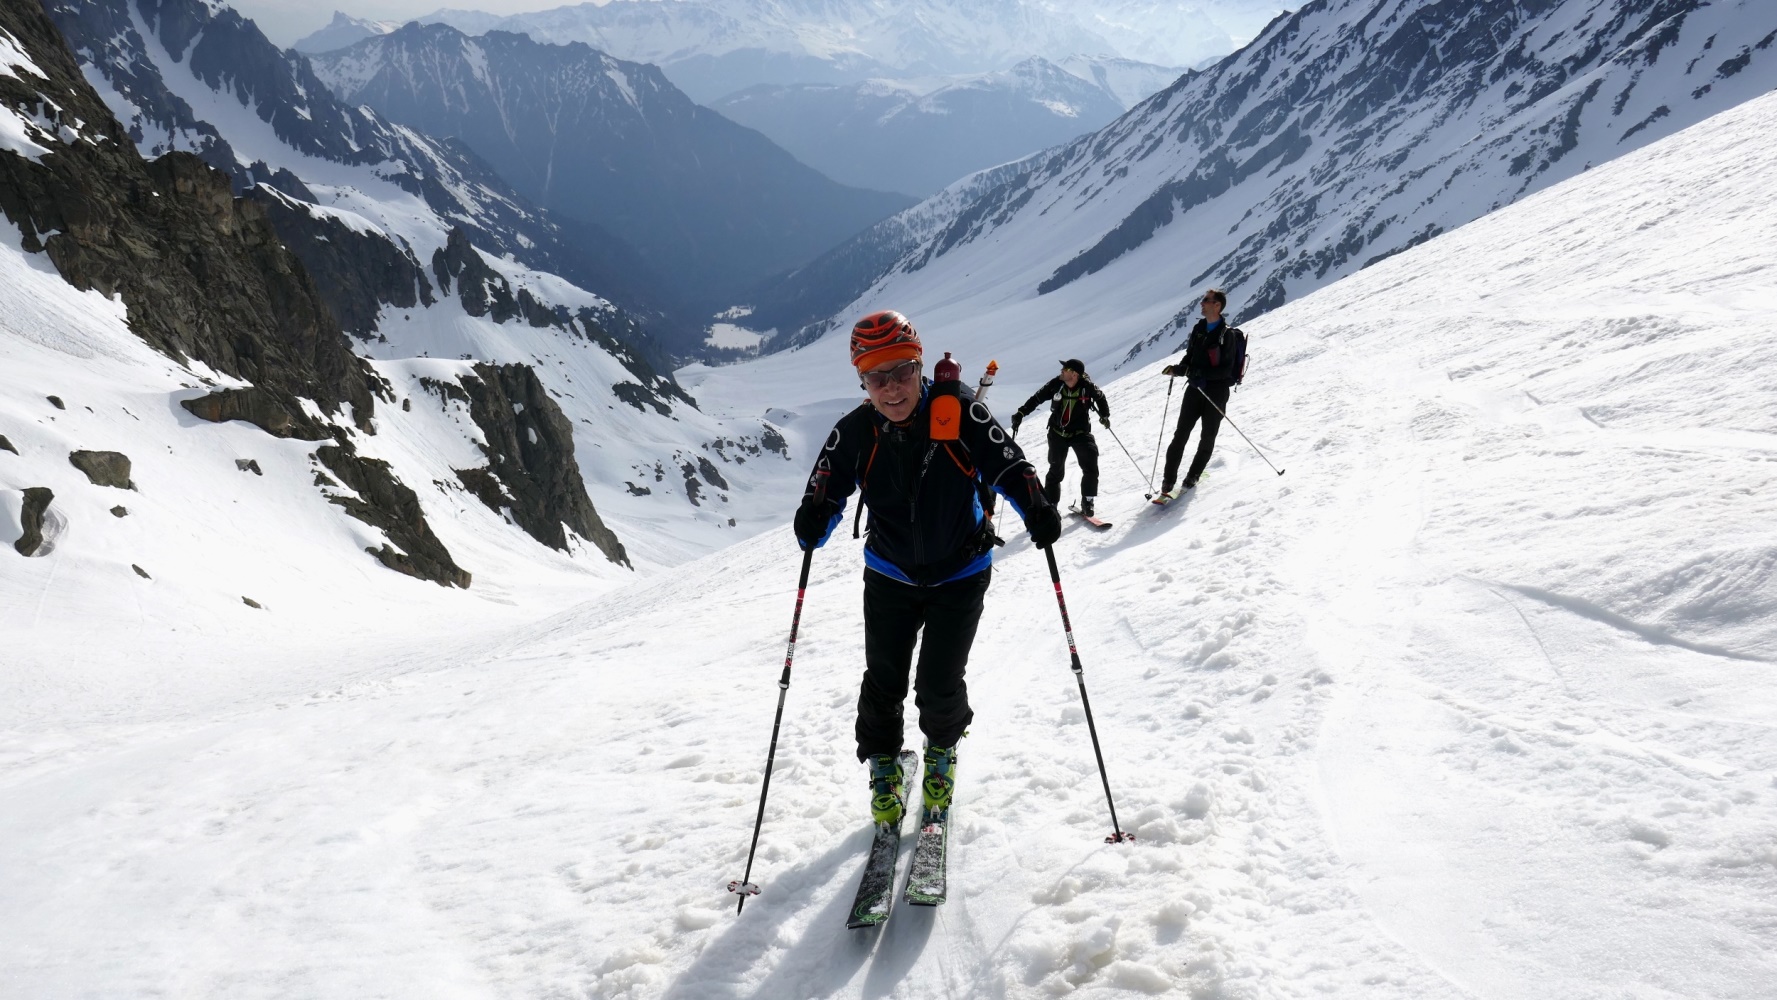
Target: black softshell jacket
[[1209, 355], [1070, 410], [925, 521]]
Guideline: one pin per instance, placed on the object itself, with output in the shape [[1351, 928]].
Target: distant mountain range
[[711, 207], [885, 135], [712, 48], [1349, 131]]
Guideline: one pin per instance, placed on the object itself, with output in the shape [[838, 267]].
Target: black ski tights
[[1086, 450], [1190, 410], [894, 613]]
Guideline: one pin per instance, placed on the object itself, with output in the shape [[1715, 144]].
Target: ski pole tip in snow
[[743, 888], [1119, 837]]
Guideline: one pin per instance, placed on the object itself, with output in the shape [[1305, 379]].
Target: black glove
[[1171, 371], [1104, 422], [813, 520], [1044, 524], [1017, 418]]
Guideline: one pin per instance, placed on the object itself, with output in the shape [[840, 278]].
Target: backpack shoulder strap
[[857, 518]]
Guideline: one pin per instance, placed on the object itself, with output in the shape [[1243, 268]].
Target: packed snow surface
[[1475, 700]]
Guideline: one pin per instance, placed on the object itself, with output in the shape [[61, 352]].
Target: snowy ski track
[[1475, 701]]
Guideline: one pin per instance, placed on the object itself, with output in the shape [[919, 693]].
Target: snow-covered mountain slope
[[711, 48], [920, 142], [180, 406], [371, 208], [1474, 702], [1347, 132], [342, 31], [710, 206]]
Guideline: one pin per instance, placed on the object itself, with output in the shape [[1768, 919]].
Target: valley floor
[[1474, 701]]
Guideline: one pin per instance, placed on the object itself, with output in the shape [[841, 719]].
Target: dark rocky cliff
[[531, 469], [204, 278]]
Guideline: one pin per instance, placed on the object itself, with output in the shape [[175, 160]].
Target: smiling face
[[894, 388]]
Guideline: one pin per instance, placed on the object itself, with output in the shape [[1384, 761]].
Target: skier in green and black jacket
[[1072, 398]]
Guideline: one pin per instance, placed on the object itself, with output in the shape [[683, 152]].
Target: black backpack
[[1236, 341]]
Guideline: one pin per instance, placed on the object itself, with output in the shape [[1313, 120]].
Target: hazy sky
[[284, 21]]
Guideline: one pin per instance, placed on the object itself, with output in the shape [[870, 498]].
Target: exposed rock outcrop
[[202, 273], [6, 445], [357, 272], [484, 292], [531, 467], [383, 502], [104, 468], [271, 412], [37, 500]]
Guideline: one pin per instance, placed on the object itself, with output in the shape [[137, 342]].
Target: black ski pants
[[894, 614], [1086, 450], [1195, 407]]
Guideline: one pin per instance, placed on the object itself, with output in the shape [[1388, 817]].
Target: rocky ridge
[[206, 282]]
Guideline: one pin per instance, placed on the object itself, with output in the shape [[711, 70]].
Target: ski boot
[[940, 779], [888, 789]]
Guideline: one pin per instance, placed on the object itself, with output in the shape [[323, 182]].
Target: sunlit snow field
[[1476, 700]]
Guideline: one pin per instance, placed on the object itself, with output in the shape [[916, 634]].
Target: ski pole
[[744, 886], [1163, 411], [1117, 833], [1125, 448], [1237, 430]]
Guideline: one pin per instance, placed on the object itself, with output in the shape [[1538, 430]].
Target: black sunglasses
[[902, 373]]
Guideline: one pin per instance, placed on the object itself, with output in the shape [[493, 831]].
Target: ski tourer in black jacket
[[926, 525], [1070, 410], [1212, 357]]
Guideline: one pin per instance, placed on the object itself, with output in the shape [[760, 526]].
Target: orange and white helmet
[[883, 336]]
